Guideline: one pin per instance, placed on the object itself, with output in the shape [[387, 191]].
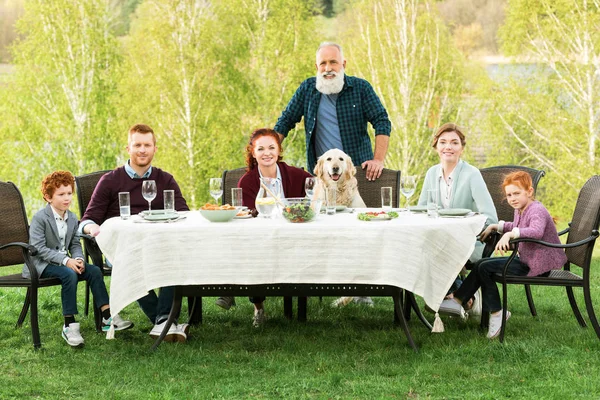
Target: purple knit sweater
[[104, 203], [536, 223]]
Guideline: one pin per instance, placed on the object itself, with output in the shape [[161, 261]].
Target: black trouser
[[481, 277]]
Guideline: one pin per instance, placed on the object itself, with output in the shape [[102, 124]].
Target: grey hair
[[327, 44]]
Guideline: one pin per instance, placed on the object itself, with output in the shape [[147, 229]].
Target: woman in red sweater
[[263, 159]]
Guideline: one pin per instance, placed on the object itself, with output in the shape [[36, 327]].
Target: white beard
[[330, 86]]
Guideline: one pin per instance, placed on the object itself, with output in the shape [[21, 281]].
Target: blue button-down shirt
[[357, 104], [133, 175]]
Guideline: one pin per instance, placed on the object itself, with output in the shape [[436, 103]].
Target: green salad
[[371, 215], [298, 213]]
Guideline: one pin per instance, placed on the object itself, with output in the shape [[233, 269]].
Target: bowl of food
[[214, 213], [300, 209]]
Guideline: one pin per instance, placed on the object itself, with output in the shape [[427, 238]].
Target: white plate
[[453, 212], [162, 216], [243, 216]]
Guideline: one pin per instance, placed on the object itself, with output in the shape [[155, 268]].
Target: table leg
[[288, 311], [194, 310], [398, 310], [175, 309], [412, 302], [302, 302]]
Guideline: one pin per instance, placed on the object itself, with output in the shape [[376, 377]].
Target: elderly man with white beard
[[336, 108]]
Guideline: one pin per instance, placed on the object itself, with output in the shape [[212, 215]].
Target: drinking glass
[[216, 188], [309, 187], [236, 197], [386, 198], [169, 199], [124, 205], [408, 184], [331, 200], [432, 206], [149, 192]]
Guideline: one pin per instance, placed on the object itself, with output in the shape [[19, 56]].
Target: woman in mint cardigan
[[458, 184]]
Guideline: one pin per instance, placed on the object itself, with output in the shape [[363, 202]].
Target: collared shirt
[[61, 227], [133, 175], [357, 105], [278, 176], [446, 187]]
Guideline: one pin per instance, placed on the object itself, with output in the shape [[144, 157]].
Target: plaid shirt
[[356, 105]]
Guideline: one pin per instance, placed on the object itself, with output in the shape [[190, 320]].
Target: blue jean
[[157, 308], [69, 279], [481, 276]]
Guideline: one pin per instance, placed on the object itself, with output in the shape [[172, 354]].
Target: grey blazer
[[43, 235]]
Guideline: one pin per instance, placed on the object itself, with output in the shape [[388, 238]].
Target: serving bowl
[[300, 209], [219, 215]]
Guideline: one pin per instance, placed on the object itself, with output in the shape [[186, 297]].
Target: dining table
[[412, 252]]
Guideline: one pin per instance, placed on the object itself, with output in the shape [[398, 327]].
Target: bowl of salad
[[300, 209]]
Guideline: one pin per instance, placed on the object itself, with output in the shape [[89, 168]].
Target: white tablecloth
[[414, 252]]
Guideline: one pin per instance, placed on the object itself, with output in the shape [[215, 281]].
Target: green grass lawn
[[354, 352]]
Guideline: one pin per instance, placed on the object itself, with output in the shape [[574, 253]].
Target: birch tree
[[404, 51], [206, 74], [59, 100], [564, 37]]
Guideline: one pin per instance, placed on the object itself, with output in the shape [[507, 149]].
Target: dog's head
[[334, 166]]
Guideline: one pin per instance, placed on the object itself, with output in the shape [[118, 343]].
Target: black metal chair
[[85, 185], [370, 191], [493, 177], [582, 235], [230, 180], [15, 250]]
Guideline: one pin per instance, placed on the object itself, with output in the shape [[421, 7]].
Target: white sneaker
[[72, 335], [119, 323], [364, 300], [185, 328], [452, 307], [475, 310], [173, 335], [496, 324]]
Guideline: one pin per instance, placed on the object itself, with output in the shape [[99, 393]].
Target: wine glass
[[216, 188], [309, 186], [408, 184], [149, 192]]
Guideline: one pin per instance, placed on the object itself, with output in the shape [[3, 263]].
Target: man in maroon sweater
[[104, 204]]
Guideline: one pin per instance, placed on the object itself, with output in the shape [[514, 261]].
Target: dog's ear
[[318, 171], [350, 168]]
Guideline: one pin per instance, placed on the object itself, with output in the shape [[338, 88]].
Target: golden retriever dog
[[335, 168]]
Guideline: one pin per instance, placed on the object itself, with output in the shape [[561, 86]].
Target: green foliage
[[61, 112], [206, 76], [557, 120], [405, 52]]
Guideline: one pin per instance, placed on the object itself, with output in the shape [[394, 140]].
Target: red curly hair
[[250, 160], [519, 178], [56, 179]]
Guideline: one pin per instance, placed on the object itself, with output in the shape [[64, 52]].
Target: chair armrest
[[92, 250], [25, 246], [588, 239], [566, 230], [28, 251]]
